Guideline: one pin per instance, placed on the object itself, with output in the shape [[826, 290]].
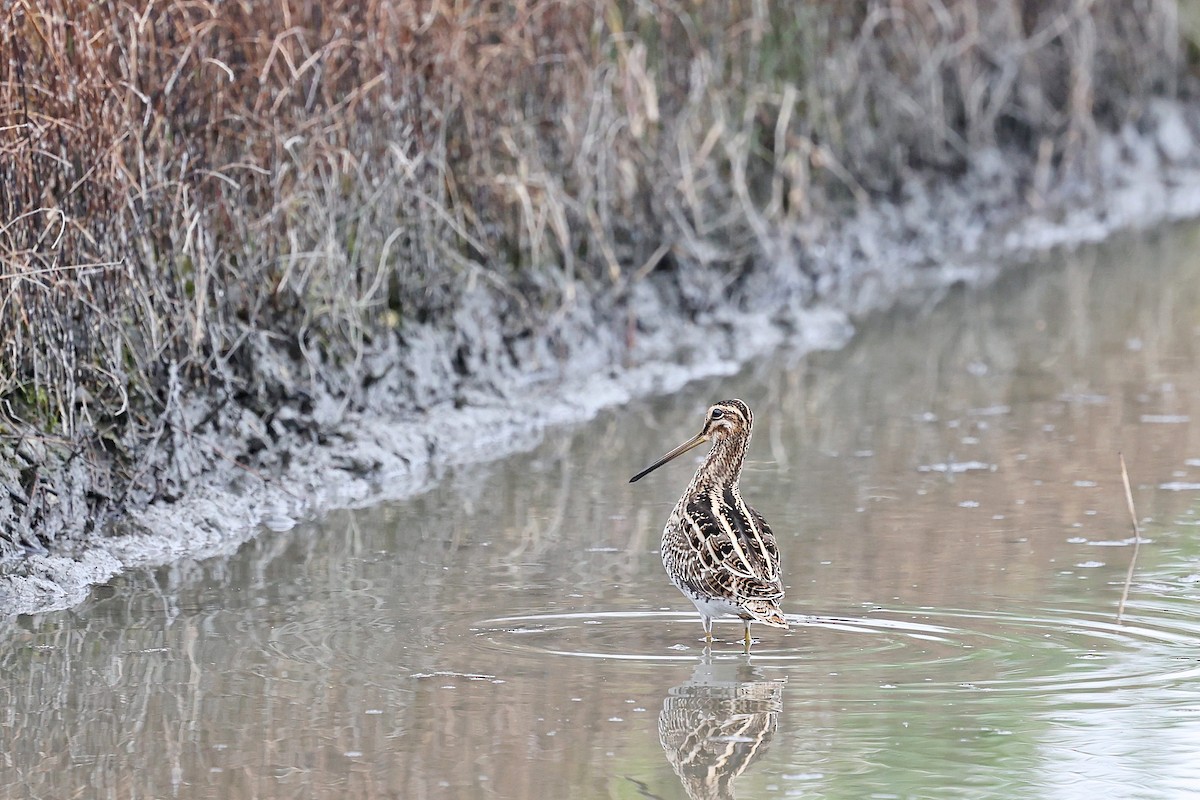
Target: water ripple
[[1064, 652]]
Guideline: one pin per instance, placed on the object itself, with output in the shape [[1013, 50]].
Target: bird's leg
[[746, 622], [707, 622]]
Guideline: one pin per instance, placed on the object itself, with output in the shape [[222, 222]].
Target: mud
[[481, 384]]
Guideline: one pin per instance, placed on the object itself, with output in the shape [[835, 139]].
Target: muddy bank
[[232, 237], [495, 376]]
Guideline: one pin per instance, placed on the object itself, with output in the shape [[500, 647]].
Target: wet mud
[[472, 387]]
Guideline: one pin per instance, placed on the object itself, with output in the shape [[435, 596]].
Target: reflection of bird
[[712, 728], [717, 550]]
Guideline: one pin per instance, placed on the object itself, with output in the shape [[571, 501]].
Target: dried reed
[[239, 201], [1137, 538]]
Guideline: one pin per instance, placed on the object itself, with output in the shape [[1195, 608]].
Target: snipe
[[717, 550]]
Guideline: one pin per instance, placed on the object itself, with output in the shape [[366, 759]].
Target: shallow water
[[947, 497]]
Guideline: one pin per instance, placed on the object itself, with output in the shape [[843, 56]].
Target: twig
[[1137, 538], [219, 453]]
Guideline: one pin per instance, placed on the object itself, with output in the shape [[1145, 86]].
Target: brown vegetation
[[238, 201]]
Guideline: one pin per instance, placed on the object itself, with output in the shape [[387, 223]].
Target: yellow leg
[[747, 624]]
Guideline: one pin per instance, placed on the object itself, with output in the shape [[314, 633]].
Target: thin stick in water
[[1137, 537]]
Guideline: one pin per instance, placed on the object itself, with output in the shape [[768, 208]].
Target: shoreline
[[435, 404]]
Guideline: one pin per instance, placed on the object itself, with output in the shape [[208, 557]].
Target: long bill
[[695, 441]]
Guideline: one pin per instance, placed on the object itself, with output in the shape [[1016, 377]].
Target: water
[[947, 497]]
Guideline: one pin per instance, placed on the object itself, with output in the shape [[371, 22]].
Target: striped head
[[727, 426], [727, 419]]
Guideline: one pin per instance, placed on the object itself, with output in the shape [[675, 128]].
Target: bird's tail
[[767, 612]]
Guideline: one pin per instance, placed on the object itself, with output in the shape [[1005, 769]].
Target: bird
[[717, 550], [717, 724]]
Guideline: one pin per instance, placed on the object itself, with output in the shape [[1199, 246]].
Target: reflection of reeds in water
[[715, 725]]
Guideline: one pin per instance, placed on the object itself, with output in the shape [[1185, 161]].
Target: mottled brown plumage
[[717, 724], [716, 549]]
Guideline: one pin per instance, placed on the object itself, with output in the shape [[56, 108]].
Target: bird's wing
[[732, 550], [769, 546]]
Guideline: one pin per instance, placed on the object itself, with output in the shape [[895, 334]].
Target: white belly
[[713, 607]]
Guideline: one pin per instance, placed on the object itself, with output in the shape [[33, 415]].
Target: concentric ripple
[[1055, 651], [555, 634]]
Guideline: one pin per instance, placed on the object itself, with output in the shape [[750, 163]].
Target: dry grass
[[188, 186], [1137, 538]]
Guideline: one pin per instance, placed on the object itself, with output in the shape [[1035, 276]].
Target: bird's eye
[[717, 413]]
